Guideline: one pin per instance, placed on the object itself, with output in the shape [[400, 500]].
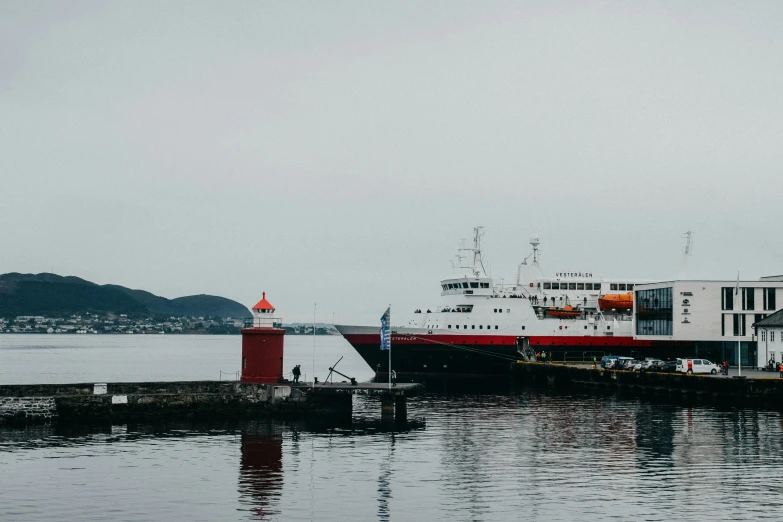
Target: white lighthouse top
[[262, 314]]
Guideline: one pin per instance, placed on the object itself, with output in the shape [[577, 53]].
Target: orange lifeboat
[[567, 311], [621, 301]]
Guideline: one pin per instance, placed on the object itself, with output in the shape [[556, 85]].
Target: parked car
[[624, 363], [696, 366], [646, 365], [607, 361], [667, 366]]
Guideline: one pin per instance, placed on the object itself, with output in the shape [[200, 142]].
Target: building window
[[769, 298], [474, 285], [596, 286], [547, 286], [748, 299], [555, 286], [654, 312], [613, 286], [772, 336], [727, 301], [763, 335], [630, 287], [621, 286], [588, 286], [580, 286], [572, 286], [739, 325]]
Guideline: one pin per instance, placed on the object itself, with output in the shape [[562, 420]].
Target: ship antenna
[[687, 252], [478, 232]]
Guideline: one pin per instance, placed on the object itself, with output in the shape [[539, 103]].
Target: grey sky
[[334, 152]]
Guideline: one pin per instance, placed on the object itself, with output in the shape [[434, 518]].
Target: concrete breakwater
[[707, 388], [191, 399], [127, 401]]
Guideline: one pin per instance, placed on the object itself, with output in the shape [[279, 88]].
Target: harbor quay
[[196, 399], [753, 388]]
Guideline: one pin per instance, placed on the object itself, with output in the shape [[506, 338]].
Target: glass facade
[[769, 298], [727, 300], [654, 315], [748, 299]]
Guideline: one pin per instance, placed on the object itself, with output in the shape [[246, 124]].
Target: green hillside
[[52, 295]]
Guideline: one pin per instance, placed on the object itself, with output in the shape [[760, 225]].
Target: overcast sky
[[335, 152]]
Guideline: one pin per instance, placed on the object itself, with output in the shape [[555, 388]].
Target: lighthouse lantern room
[[262, 346]]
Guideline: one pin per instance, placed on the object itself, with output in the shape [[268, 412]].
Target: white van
[[696, 366]]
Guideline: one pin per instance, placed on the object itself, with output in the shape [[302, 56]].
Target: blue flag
[[385, 330]]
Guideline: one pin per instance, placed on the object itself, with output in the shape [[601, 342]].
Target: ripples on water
[[536, 456], [533, 455]]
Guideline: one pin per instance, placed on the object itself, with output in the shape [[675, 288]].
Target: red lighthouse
[[262, 346]]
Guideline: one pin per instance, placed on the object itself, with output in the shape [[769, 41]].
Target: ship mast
[[536, 268], [478, 233], [687, 252]]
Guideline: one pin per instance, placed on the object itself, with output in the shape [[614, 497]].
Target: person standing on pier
[[297, 372], [780, 369]]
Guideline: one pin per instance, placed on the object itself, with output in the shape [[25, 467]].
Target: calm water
[[533, 455]]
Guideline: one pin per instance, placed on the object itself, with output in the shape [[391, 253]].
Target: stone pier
[[135, 401]]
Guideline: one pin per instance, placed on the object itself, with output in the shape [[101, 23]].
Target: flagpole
[[390, 368], [739, 330], [314, 308]]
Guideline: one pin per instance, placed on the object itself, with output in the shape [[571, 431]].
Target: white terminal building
[[710, 319]]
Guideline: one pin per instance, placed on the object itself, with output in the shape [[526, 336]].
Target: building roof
[[263, 304], [775, 319]]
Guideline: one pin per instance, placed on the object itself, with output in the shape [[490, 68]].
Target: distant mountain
[[51, 294]]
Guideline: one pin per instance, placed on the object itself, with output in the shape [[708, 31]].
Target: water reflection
[[261, 468], [535, 455]]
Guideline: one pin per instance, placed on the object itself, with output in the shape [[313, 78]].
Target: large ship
[[481, 326]]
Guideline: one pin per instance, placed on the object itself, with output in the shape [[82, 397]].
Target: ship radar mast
[[534, 270], [687, 252], [478, 233]]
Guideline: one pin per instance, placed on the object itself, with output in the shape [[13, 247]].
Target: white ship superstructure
[[479, 319]]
